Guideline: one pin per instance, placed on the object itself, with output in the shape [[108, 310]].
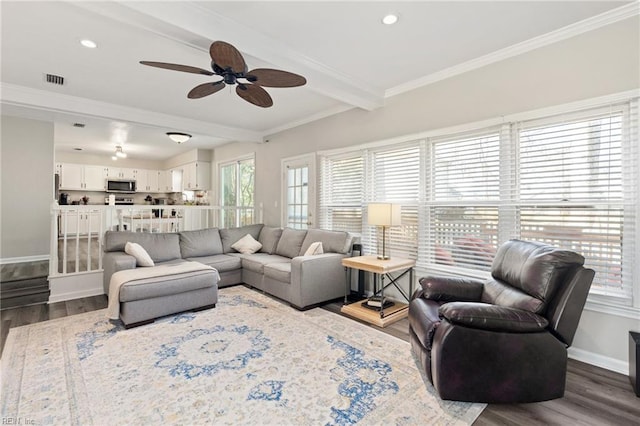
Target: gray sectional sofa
[[278, 268]]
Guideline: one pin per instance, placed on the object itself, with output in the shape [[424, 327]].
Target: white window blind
[[463, 202], [342, 193], [395, 178], [572, 191]]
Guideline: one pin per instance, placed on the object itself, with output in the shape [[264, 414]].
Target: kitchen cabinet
[[196, 176], [148, 181], [80, 177], [175, 179], [80, 221], [164, 181], [121, 173]]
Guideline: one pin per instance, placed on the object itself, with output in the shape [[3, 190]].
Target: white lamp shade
[[384, 214]]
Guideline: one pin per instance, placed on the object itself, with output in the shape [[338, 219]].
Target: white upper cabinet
[[164, 181], [121, 173], [148, 181], [175, 179], [196, 176], [80, 177]]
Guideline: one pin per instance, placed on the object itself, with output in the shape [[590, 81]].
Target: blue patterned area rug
[[251, 360]]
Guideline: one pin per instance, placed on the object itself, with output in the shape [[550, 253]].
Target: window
[[463, 201], [395, 178], [342, 193], [237, 193], [572, 192], [569, 180]]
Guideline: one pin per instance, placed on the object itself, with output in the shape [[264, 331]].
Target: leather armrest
[[492, 317], [450, 289]]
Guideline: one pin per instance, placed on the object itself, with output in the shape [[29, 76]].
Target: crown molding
[[586, 25], [56, 102]]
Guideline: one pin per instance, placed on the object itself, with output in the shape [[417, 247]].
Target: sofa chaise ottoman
[[139, 296]]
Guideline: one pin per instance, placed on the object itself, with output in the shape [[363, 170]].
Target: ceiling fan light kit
[[228, 63], [119, 153], [178, 137]]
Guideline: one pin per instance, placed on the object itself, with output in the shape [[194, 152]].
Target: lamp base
[[382, 257]]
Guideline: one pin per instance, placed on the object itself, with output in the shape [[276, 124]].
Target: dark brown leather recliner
[[503, 340]]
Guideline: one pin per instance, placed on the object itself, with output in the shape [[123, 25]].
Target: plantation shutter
[[342, 193], [577, 190], [395, 178], [463, 201]]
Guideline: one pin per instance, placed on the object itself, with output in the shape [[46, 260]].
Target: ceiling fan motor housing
[[229, 77]]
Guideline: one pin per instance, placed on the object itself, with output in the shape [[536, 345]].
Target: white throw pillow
[[314, 248], [141, 255], [246, 245]]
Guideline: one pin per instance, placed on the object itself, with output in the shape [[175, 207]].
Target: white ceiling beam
[[195, 19], [49, 101]]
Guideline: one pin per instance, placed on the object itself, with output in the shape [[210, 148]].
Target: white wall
[[597, 63], [26, 186]]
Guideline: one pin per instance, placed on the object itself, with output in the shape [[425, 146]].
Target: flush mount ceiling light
[[178, 137], [390, 19], [89, 43]]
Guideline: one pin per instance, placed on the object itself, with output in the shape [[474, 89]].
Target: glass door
[[299, 192]]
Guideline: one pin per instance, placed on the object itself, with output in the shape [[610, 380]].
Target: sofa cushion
[[332, 241], [203, 242], [221, 262], [269, 238], [231, 235], [291, 242], [168, 285], [161, 246], [141, 255], [255, 262], [246, 245], [278, 271]]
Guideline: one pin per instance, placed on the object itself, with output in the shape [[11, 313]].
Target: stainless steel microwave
[[123, 186]]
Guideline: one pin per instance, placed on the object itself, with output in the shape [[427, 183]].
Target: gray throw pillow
[[231, 235], [332, 241], [161, 247], [269, 238], [290, 242], [203, 242]]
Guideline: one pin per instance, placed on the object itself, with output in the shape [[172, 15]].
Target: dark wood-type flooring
[[594, 396]]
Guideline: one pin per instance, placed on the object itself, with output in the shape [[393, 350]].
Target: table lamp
[[384, 215]]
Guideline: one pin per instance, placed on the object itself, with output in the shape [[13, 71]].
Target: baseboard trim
[[23, 259], [601, 361]]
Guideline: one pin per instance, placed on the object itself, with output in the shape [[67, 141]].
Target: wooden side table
[[381, 269]]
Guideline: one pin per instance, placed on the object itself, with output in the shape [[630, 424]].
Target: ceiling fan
[[228, 63]]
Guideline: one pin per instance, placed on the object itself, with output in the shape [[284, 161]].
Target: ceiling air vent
[[81, 125], [54, 79]]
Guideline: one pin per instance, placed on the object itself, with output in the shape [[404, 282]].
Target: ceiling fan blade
[[226, 56], [205, 89], [254, 94], [177, 67], [268, 77]]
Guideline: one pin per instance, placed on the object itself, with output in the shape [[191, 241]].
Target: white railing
[[77, 231]]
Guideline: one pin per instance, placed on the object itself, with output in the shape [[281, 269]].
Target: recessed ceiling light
[[88, 43], [390, 19]]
